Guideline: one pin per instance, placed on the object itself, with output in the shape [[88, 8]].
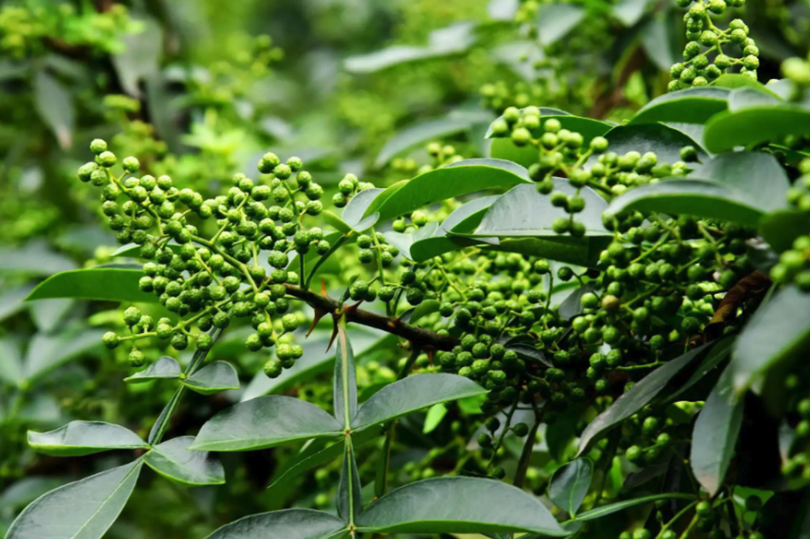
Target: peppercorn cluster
[[238, 270], [704, 56]]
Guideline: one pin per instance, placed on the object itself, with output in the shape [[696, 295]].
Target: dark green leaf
[[455, 180], [355, 214], [49, 313], [779, 331], [658, 138], [629, 11], [164, 368], [715, 435], [637, 397], [265, 422], [13, 300], [419, 134], [605, 510], [657, 37], [743, 98], [730, 129], [213, 378], [691, 106], [34, 259], [738, 187], [349, 502], [54, 103], [572, 305], [718, 353], [566, 249], [345, 380], [85, 509], [570, 483], [449, 41], [458, 505], [554, 21], [26, 490], [411, 394], [434, 241], [11, 366], [781, 228], [48, 352], [174, 460], [287, 524], [110, 284], [141, 57], [318, 452], [525, 212], [79, 438]]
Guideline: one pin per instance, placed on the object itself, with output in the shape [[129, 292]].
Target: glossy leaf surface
[[173, 460], [411, 394], [164, 368], [79, 438], [110, 284], [82, 510], [570, 483], [265, 422], [287, 524], [458, 505], [213, 378]]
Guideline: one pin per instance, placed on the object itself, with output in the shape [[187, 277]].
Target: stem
[[321, 260], [381, 485]]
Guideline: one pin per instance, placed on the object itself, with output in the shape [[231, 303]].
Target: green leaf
[[336, 222], [657, 38], [54, 103], [49, 313], [349, 501], [606, 510], [450, 181], [666, 142], [629, 11], [318, 452], [287, 524], [690, 106], [715, 435], [411, 394], [12, 301], [164, 368], [781, 228], [140, 59], [213, 378], [449, 41], [525, 212], [419, 134], [356, 212], [345, 380], [566, 249], [718, 353], [35, 259], [265, 422], [570, 483], [434, 417], [637, 397], [458, 505], [26, 490], [79, 438], [110, 284], [438, 240], [48, 352], [738, 187], [11, 367], [733, 81], [779, 331], [85, 509], [755, 125], [555, 21], [427, 307], [743, 98], [173, 459]]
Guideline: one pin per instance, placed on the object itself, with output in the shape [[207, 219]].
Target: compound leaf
[[173, 460]]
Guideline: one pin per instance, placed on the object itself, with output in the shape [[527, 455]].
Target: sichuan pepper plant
[[628, 301]]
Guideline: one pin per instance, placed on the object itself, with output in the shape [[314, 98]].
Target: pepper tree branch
[[421, 338]]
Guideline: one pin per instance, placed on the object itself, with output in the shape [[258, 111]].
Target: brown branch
[[422, 338]]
